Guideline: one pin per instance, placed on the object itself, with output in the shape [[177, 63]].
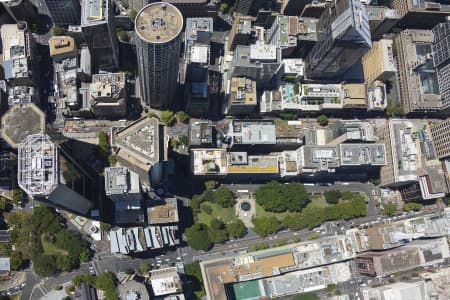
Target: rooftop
[[140, 140], [196, 27], [62, 45], [251, 132], [159, 23], [16, 50], [37, 160], [108, 85], [397, 291], [94, 12], [320, 158], [240, 162], [274, 262], [20, 121], [362, 154], [294, 66], [263, 52], [200, 133], [165, 281], [242, 91], [119, 180], [209, 161], [133, 290], [21, 95], [163, 213]]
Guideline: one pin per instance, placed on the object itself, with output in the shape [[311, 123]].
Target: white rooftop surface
[[165, 281], [294, 66], [261, 51], [11, 37], [200, 54]]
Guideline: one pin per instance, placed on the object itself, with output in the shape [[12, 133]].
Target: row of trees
[[202, 236], [30, 231], [106, 282], [312, 216], [278, 197]]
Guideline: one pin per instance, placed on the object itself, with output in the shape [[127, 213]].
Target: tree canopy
[[390, 209], [277, 197], [322, 120], [412, 206], [167, 117], [182, 116], [332, 196], [197, 237], [236, 229], [265, 225]]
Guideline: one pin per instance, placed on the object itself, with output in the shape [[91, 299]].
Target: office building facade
[[344, 37], [67, 12], [440, 133], [441, 59], [158, 27], [99, 30]]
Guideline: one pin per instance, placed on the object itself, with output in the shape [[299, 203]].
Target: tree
[[390, 209], [182, 116], [197, 237], [278, 197], [395, 110], [78, 279], [2, 203], [206, 208], [211, 184], [174, 142], [310, 296], [17, 195], [58, 30], [152, 114], [331, 287], [16, 260], [332, 196], [183, 139], [194, 274], [236, 229], [133, 14], [322, 120], [288, 116], [223, 7], [412, 206], [85, 255], [69, 289], [57, 287], [265, 225], [224, 197], [44, 265], [167, 117], [35, 28], [446, 200], [103, 144], [107, 282], [129, 271], [144, 268], [314, 235], [123, 36], [105, 226], [112, 159]]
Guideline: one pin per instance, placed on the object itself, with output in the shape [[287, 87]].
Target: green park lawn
[[51, 249], [226, 215], [316, 201]]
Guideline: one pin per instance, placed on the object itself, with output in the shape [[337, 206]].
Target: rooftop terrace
[[159, 23]]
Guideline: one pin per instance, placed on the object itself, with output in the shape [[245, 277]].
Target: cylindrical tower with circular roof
[[158, 27]]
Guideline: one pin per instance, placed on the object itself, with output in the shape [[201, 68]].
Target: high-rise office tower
[[46, 171], [441, 59], [294, 7], [21, 10], [344, 37], [421, 14], [99, 30], [439, 132], [251, 7], [67, 12], [158, 27]]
